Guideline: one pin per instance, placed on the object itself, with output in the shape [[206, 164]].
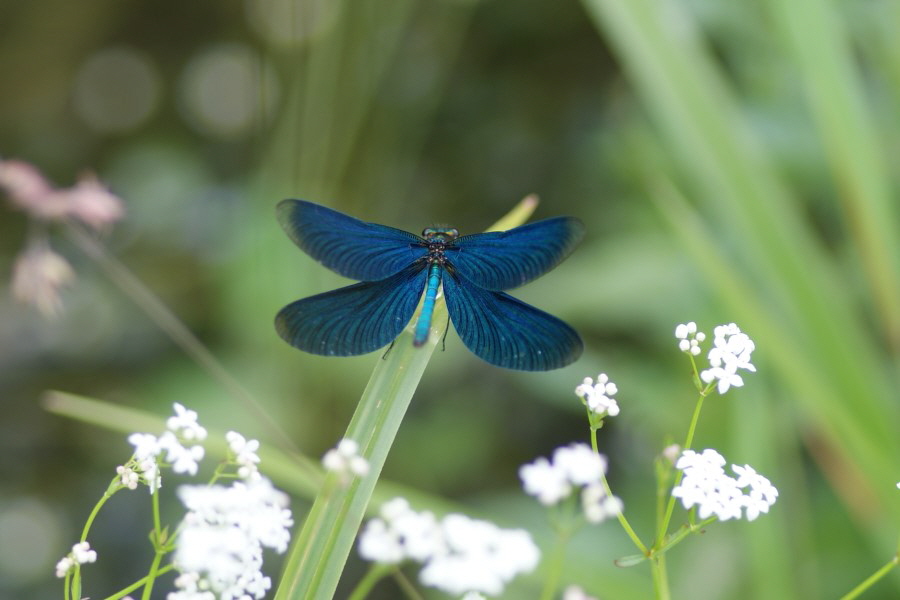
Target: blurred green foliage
[[732, 162]]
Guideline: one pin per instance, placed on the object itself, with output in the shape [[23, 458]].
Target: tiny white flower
[[394, 509], [182, 458], [345, 459], [145, 445], [573, 592], [244, 454], [128, 476], [63, 567], [573, 466], [480, 557], [80, 554], [597, 505], [400, 534], [599, 396], [762, 493], [689, 338], [580, 464], [379, 543], [731, 351], [544, 481], [725, 377], [706, 485], [473, 596], [221, 540], [83, 554], [184, 424], [459, 555], [671, 453]]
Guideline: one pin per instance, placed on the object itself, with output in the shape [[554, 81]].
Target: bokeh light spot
[[31, 533], [226, 89], [116, 90]]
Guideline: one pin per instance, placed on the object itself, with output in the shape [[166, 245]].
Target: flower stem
[[660, 577], [407, 586], [623, 521], [871, 579], [557, 559], [670, 507], [375, 574]]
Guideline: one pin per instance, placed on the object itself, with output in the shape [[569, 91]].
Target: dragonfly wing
[[353, 320], [348, 246], [507, 332], [501, 260]]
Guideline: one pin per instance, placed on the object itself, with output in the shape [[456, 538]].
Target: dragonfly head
[[440, 235]]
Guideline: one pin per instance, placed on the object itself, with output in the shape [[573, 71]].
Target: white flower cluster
[[731, 351], [459, 555], [690, 338], [221, 541], [706, 485], [573, 466], [81, 554], [243, 453], [345, 459], [599, 396], [149, 450]]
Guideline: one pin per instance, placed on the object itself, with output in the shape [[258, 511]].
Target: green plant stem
[[376, 573], [623, 521], [177, 331], [871, 579], [406, 585], [140, 582], [76, 577], [110, 490], [153, 574], [660, 576], [689, 439], [555, 568]]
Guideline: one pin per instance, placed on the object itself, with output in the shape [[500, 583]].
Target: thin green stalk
[[407, 586], [871, 579], [623, 521], [316, 560], [689, 439], [177, 331], [140, 582], [555, 568], [660, 577], [153, 574], [376, 573]]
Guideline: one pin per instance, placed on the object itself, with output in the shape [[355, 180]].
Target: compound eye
[[440, 234]]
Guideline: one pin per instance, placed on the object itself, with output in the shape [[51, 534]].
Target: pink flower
[[38, 275], [25, 185], [87, 201], [92, 203]]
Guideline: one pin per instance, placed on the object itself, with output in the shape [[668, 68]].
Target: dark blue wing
[[500, 260], [355, 319], [507, 332], [348, 246]]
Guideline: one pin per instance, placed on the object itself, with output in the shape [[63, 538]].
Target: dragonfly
[[396, 268]]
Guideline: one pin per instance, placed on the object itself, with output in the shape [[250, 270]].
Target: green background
[[732, 161]]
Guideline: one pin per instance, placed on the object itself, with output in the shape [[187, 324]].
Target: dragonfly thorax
[[438, 238]]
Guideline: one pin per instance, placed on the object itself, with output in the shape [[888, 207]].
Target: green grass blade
[[824, 61]]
